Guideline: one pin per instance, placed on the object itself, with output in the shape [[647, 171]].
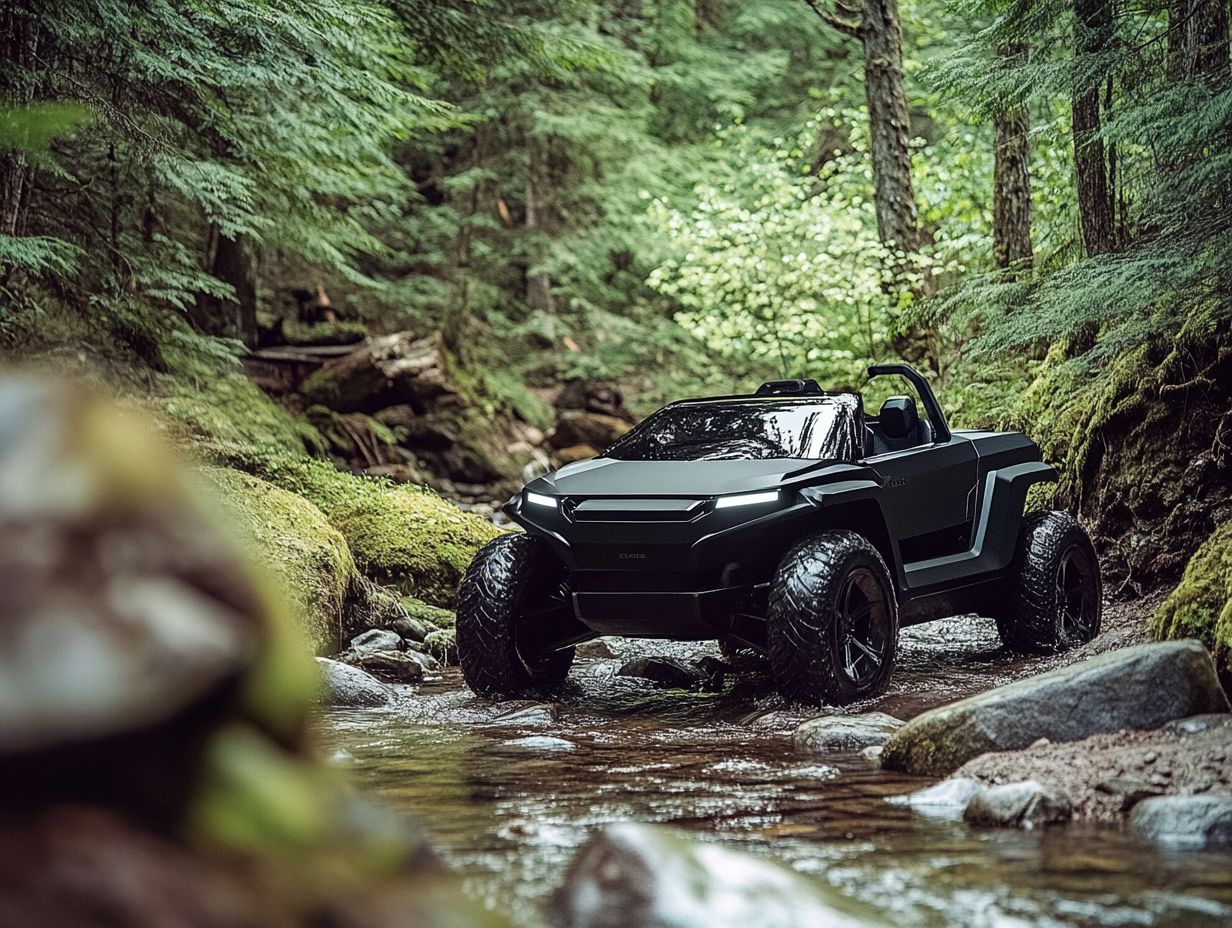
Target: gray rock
[[872, 754], [1196, 724], [1029, 804], [426, 661], [646, 876], [845, 732], [598, 649], [347, 687], [947, 799], [377, 639], [1184, 821], [390, 666], [536, 713], [410, 628], [1134, 688], [541, 743], [666, 672]]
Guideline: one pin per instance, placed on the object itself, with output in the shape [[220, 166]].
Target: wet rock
[[947, 799], [1128, 790], [844, 732], [872, 754], [426, 661], [377, 639], [666, 671], [383, 371], [1028, 805], [410, 628], [1184, 821], [389, 666], [538, 713], [1134, 688], [1196, 724], [646, 876], [579, 427], [443, 645], [347, 687], [541, 743], [598, 649]]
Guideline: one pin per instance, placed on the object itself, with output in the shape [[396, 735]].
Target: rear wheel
[[832, 626], [1056, 598], [513, 582]]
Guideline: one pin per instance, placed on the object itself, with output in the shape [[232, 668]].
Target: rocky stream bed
[[509, 791]]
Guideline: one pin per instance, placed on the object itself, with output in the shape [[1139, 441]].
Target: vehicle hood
[[688, 479]]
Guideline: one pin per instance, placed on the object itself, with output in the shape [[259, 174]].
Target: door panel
[[927, 497]]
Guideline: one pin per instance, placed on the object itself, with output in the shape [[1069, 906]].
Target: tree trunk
[[1096, 209], [1197, 39], [1011, 194], [19, 43], [889, 125], [233, 264], [538, 286]]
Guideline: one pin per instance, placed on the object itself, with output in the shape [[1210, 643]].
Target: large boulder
[[346, 687], [308, 556], [1135, 688], [645, 876], [383, 371]]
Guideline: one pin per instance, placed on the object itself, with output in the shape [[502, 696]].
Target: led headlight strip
[[746, 499], [539, 499]]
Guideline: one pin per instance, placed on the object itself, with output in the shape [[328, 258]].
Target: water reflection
[[509, 816]]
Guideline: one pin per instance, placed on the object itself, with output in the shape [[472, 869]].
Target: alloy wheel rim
[[863, 624], [1076, 594]]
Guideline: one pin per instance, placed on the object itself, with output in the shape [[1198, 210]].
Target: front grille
[[634, 510]]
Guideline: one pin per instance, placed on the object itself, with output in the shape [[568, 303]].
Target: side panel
[[1002, 495]]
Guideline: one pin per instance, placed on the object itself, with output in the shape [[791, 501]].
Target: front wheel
[[514, 581], [1056, 595], [832, 625]]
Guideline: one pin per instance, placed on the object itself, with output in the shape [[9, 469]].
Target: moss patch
[[1201, 605], [403, 536], [433, 616], [307, 554]]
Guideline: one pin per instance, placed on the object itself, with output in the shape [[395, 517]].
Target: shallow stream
[[508, 813]]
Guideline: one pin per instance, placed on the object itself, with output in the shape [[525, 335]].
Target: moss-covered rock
[[339, 332], [308, 556], [403, 536], [1201, 605], [433, 616]]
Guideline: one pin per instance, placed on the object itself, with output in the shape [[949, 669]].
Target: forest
[[370, 265]]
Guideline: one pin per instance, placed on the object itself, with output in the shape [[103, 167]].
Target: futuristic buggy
[[788, 522]]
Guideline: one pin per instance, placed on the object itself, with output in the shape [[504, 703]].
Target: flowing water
[[507, 802]]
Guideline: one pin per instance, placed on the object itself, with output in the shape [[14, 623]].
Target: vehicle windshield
[[816, 428]]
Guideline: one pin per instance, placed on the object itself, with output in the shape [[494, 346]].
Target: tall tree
[[876, 25], [19, 47], [1011, 205], [1197, 39], [1096, 193]]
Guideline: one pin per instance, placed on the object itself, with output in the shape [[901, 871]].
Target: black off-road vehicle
[[787, 522]]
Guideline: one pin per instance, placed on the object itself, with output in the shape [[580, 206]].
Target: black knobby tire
[[509, 577], [1056, 595], [832, 592]]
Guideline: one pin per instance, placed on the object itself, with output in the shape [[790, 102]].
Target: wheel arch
[[856, 507]]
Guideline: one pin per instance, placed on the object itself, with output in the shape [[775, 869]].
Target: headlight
[[746, 499], [540, 500]]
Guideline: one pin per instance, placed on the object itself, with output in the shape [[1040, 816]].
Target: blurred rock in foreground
[[153, 697]]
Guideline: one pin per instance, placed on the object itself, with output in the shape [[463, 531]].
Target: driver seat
[[898, 426]]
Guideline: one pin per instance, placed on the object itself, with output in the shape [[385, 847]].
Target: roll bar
[[941, 428]]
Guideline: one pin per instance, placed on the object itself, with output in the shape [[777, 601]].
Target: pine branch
[[853, 29]]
